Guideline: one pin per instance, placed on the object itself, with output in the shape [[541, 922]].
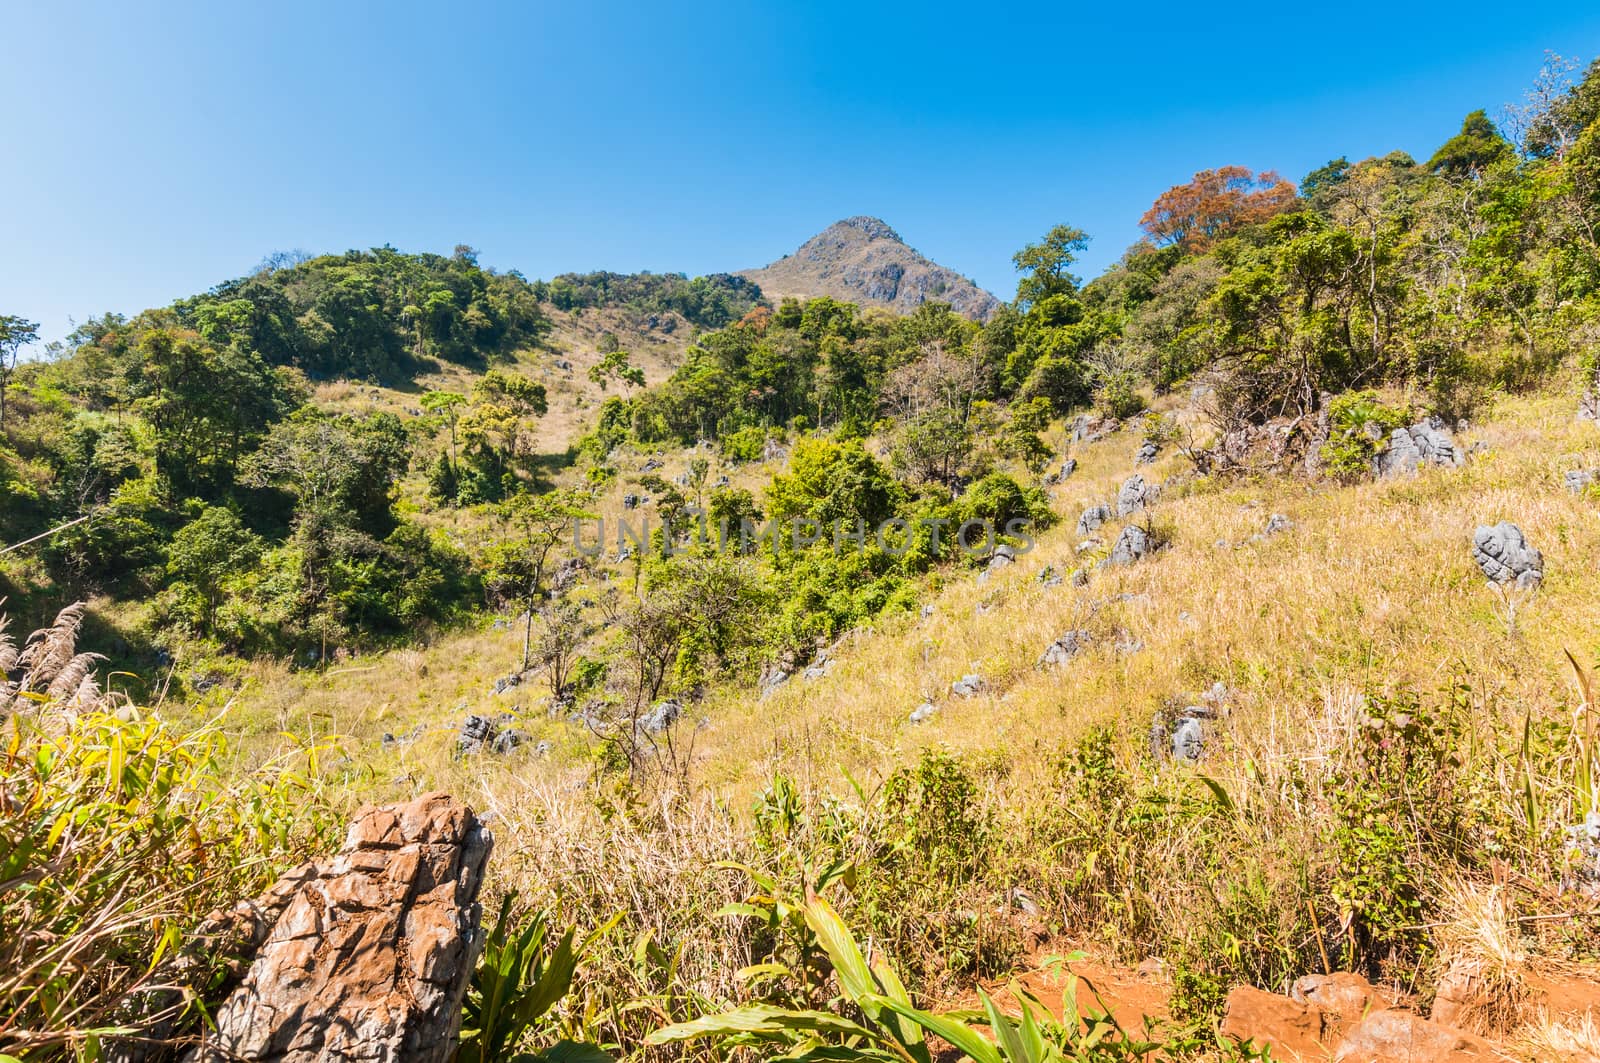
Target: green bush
[[1119, 397], [745, 445], [1351, 444]]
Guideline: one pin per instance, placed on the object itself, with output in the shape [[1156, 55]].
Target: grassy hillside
[[1367, 611]]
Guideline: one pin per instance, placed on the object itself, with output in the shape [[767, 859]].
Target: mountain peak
[[862, 260], [875, 228]]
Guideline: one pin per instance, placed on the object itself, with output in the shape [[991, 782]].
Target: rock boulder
[[1505, 556], [372, 953]]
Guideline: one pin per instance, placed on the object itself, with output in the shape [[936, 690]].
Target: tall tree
[[1214, 204], [1476, 147], [517, 563], [15, 334], [1046, 265]]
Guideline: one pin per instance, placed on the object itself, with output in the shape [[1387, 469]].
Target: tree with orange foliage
[[1214, 204]]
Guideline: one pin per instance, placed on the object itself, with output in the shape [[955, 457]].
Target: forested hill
[[380, 314]]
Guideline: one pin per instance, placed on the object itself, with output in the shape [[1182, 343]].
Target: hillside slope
[[862, 260]]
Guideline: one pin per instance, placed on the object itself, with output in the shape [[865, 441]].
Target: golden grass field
[[1374, 588]]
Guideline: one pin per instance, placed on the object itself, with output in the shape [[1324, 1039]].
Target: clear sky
[[152, 153]]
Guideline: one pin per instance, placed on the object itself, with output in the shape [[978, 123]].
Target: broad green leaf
[[758, 1019], [959, 1034], [855, 977], [574, 1052]]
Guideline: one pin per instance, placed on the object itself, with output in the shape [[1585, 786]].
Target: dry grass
[[1373, 590], [1574, 1039]]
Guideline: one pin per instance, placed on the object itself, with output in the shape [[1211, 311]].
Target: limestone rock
[[1505, 556], [1424, 443], [1589, 405], [1395, 1036], [1066, 647], [1578, 480], [968, 686], [1092, 518], [773, 678], [662, 715], [922, 712], [1086, 429], [1135, 495], [1188, 740], [1068, 467], [1149, 450], [480, 734], [371, 956], [1131, 545]]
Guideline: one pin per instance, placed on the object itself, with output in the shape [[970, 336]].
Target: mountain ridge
[[862, 259]]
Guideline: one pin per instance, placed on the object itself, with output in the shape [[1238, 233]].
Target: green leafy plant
[[1358, 425], [519, 978], [119, 833], [890, 1026]]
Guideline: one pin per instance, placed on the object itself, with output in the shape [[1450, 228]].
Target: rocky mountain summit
[[862, 260]]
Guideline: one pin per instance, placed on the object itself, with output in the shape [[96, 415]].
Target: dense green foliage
[[705, 302]]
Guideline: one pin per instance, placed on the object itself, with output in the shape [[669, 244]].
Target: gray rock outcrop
[[1409, 449], [1135, 495], [1068, 467], [1132, 545], [968, 686], [1505, 556], [662, 715], [1090, 520], [370, 952], [481, 734], [1065, 648]]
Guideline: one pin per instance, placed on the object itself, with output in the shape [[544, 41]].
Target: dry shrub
[[1482, 957], [660, 865]]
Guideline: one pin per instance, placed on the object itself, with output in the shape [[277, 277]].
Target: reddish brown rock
[[1342, 996], [1291, 1029], [1395, 1036], [371, 956], [1461, 991]]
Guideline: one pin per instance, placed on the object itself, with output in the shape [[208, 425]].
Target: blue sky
[[150, 154]]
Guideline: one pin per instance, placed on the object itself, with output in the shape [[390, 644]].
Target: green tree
[[517, 564], [209, 406], [446, 405], [1046, 266], [614, 365], [209, 550], [1471, 151], [15, 334]]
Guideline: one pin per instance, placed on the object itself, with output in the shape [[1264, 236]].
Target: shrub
[[1351, 444], [122, 832], [1119, 397], [746, 444], [999, 499]]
